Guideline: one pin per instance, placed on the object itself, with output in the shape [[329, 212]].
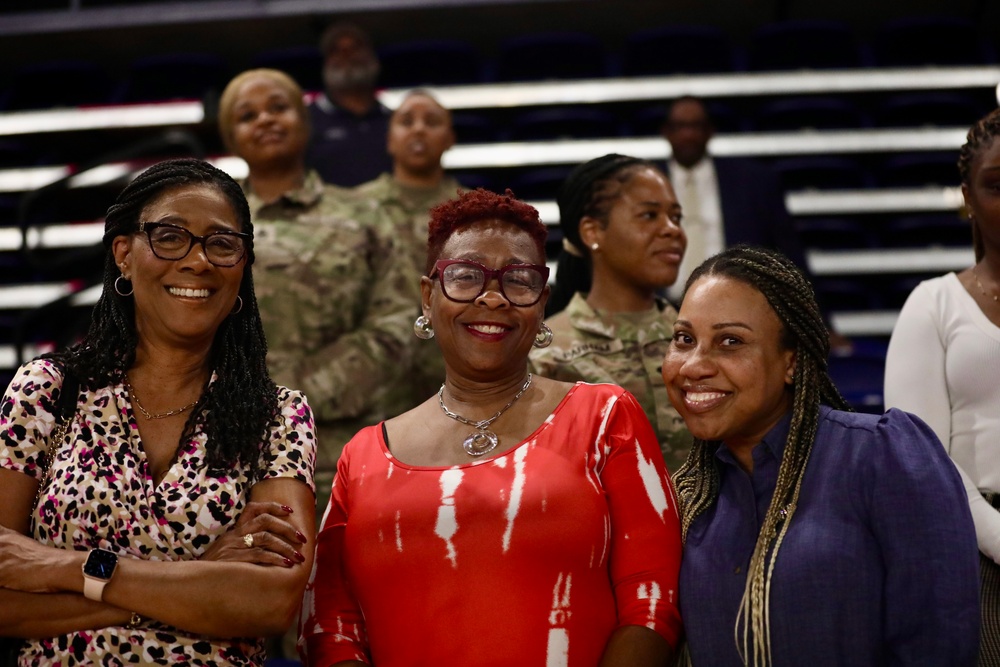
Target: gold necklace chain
[[160, 415], [975, 274]]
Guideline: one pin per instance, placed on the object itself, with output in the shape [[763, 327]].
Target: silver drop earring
[[544, 336], [422, 328]]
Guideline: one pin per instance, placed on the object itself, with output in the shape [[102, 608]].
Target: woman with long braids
[[812, 535], [166, 517], [622, 245], [944, 361]]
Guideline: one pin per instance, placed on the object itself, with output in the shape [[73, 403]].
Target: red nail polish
[[302, 538], [288, 562], [287, 508]]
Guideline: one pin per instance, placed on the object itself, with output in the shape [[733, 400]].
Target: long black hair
[[241, 404]]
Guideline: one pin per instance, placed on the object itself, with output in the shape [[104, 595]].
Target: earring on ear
[[594, 247], [118, 288], [422, 328], [544, 336]]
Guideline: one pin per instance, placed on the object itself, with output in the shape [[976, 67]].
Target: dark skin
[[482, 377], [982, 198]]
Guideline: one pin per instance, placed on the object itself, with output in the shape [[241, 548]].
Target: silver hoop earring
[[544, 336], [422, 328], [239, 305], [118, 289]]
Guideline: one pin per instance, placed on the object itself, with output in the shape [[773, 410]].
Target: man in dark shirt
[[349, 124]]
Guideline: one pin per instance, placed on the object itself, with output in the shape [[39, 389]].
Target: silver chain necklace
[[483, 441]]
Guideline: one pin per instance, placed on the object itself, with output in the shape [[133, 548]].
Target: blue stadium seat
[[680, 49], [553, 55], [540, 184], [915, 170], [583, 122], [834, 233], [942, 229], [913, 41], [941, 109], [805, 44], [839, 294], [818, 113], [860, 379], [473, 128], [821, 173], [429, 63], [59, 83], [302, 63], [175, 76]]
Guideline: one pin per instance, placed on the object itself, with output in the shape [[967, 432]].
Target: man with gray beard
[[349, 124]]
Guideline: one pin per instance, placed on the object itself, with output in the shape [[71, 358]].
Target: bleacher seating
[[551, 56], [806, 45], [438, 62], [680, 49], [870, 173]]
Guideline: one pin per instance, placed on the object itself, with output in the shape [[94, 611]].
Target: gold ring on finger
[[248, 540]]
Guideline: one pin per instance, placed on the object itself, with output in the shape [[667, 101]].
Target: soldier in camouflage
[[420, 131], [335, 294], [622, 244], [618, 348]]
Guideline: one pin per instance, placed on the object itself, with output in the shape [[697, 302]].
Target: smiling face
[[641, 246], [727, 370], [420, 132], [268, 126], [488, 339], [181, 303]]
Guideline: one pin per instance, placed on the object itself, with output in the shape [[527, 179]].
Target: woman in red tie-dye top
[[509, 519]]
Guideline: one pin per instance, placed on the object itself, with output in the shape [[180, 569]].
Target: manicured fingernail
[[299, 557], [288, 563], [287, 508], [302, 538]]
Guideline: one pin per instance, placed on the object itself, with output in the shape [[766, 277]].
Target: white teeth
[[703, 396], [487, 329], [192, 293]]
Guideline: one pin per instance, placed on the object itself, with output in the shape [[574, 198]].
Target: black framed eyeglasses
[[172, 242], [465, 281]]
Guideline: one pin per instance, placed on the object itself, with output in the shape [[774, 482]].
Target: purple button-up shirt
[[879, 565]]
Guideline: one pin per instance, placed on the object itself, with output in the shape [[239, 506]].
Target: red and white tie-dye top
[[533, 557]]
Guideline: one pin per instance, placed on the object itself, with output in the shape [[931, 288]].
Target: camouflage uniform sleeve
[[350, 376]]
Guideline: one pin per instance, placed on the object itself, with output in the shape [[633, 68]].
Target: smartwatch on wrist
[[97, 572]]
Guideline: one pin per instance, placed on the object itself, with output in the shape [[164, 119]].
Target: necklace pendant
[[481, 442]]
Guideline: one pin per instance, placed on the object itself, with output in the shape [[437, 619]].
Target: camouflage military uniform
[[407, 209], [620, 348], [337, 309]]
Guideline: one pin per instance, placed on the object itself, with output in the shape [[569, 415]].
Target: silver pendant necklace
[[483, 441]]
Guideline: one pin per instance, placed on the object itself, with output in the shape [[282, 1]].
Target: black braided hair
[[238, 408], [590, 190], [980, 137], [697, 481]]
